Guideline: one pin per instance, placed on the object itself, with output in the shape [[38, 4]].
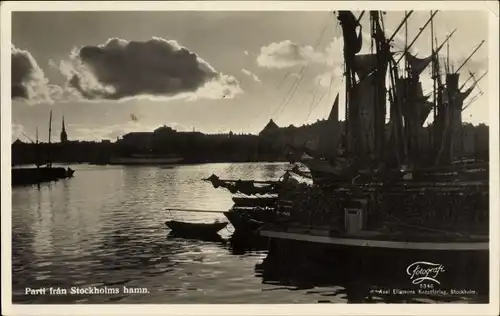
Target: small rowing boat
[[195, 229]]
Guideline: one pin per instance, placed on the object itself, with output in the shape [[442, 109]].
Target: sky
[[110, 73]]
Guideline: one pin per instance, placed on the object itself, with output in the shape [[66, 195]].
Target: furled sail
[[415, 109], [363, 94], [330, 135], [414, 104], [464, 95], [425, 110], [417, 65], [454, 114], [364, 64], [352, 40], [401, 94], [419, 92], [452, 83]]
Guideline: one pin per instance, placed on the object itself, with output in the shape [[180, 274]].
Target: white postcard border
[[250, 309]]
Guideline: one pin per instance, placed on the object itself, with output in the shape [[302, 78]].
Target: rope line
[[287, 98]]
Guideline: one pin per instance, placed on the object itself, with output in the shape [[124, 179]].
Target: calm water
[[105, 228]]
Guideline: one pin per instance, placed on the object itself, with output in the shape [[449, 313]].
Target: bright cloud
[[250, 74]]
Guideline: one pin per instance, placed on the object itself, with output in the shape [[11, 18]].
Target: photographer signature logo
[[421, 271]]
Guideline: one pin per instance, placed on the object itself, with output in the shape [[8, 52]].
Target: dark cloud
[[28, 82], [27, 79], [122, 69], [22, 68]]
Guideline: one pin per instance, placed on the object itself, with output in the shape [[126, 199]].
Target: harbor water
[[105, 229]]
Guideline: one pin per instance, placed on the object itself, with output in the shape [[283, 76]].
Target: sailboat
[[376, 184], [43, 172], [370, 147], [395, 191]]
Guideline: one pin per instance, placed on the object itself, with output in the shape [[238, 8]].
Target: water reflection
[[362, 276], [215, 238], [105, 227], [247, 243]]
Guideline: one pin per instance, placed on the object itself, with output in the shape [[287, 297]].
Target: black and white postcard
[[228, 158]]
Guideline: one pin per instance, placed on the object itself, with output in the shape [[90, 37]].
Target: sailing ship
[[401, 194], [42, 172], [373, 146], [376, 184]]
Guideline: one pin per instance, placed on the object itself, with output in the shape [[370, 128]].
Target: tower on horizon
[[64, 135]]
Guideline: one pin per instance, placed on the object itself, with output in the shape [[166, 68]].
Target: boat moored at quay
[[378, 186], [43, 172]]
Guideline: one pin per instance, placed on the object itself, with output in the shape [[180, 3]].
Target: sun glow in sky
[[110, 73]]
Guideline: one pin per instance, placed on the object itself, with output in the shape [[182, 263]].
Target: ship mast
[[474, 99], [470, 56], [383, 56], [360, 16], [37, 158], [397, 139], [417, 36], [451, 144], [434, 85], [406, 48], [49, 163], [438, 118], [406, 133], [472, 76], [410, 107], [448, 70], [476, 81], [407, 15], [434, 76], [50, 125], [352, 45]]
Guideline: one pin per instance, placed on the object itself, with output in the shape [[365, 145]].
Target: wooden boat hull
[[195, 229]]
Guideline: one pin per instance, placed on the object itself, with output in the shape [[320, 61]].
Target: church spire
[[64, 135]]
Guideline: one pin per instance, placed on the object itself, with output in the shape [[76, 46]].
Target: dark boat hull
[[195, 229], [30, 176], [244, 221], [255, 202]]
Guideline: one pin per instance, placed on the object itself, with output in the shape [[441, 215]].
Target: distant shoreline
[[187, 163]]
